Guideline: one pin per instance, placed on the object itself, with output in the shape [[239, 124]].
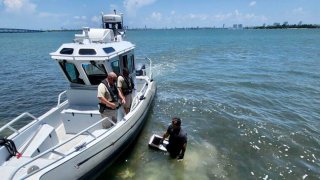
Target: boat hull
[[101, 153]]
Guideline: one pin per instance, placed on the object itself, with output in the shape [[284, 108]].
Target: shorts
[[112, 114], [173, 151], [128, 101]]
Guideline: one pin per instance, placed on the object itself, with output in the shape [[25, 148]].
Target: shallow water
[[249, 100]]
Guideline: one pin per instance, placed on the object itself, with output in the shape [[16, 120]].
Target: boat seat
[[45, 138], [89, 110], [11, 166], [77, 118], [7, 171], [82, 112], [82, 97]]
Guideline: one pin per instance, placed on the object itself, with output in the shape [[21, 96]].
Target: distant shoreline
[[302, 26], [12, 30], [284, 26]]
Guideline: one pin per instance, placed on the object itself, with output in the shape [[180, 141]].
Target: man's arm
[[165, 135], [123, 99], [183, 150], [107, 103], [121, 95]]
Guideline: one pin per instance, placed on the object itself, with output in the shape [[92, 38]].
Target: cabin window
[[109, 50], [66, 51], [125, 61], [71, 71], [108, 25], [128, 63], [115, 67], [113, 25], [119, 26], [131, 64], [87, 52], [95, 72]]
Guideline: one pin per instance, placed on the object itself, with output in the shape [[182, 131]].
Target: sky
[[75, 14]]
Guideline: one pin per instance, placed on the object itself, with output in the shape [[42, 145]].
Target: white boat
[[68, 141]]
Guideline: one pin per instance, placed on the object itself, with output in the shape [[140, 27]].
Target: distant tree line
[[10, 30], [62, 30], [287, 26]]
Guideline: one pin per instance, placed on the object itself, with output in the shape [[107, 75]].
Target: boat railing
[[62, 155], [59, 97], [150, 65], [150, 68], [9, 124], [139, 96]]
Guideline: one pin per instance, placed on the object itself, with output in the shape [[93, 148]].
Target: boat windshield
[[131, 66], [71, 72], [115, 67], [95, 72]]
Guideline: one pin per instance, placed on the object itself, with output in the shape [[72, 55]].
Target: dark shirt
[[176, 140]]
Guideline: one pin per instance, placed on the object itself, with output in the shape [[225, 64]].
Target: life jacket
[[130, 85], [113, 92]]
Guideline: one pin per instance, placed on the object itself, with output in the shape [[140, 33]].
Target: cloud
[[96, 19], [175, 19], [156, 16], [238, 16], [19, 6], [201, 17], [298, 10], [132, 6], [113, 7], [50, 15], [253, 3], [80, 17], [221, 17]]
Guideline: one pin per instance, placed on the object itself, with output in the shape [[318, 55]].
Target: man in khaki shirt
[[125, 87], [108, 98]]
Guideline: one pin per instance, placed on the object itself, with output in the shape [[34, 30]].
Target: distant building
[[276, 24], [237, 26], [285, 23], [300, 23]]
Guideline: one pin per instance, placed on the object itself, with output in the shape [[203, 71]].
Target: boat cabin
[[88, 60]]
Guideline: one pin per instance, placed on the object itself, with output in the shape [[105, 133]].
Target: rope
[[11, 147]]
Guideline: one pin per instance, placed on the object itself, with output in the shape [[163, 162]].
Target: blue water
[[249, 99]]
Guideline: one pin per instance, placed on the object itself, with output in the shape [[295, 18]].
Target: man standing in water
[[177, 139]]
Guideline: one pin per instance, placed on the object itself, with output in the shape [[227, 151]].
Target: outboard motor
[[141, 71]]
